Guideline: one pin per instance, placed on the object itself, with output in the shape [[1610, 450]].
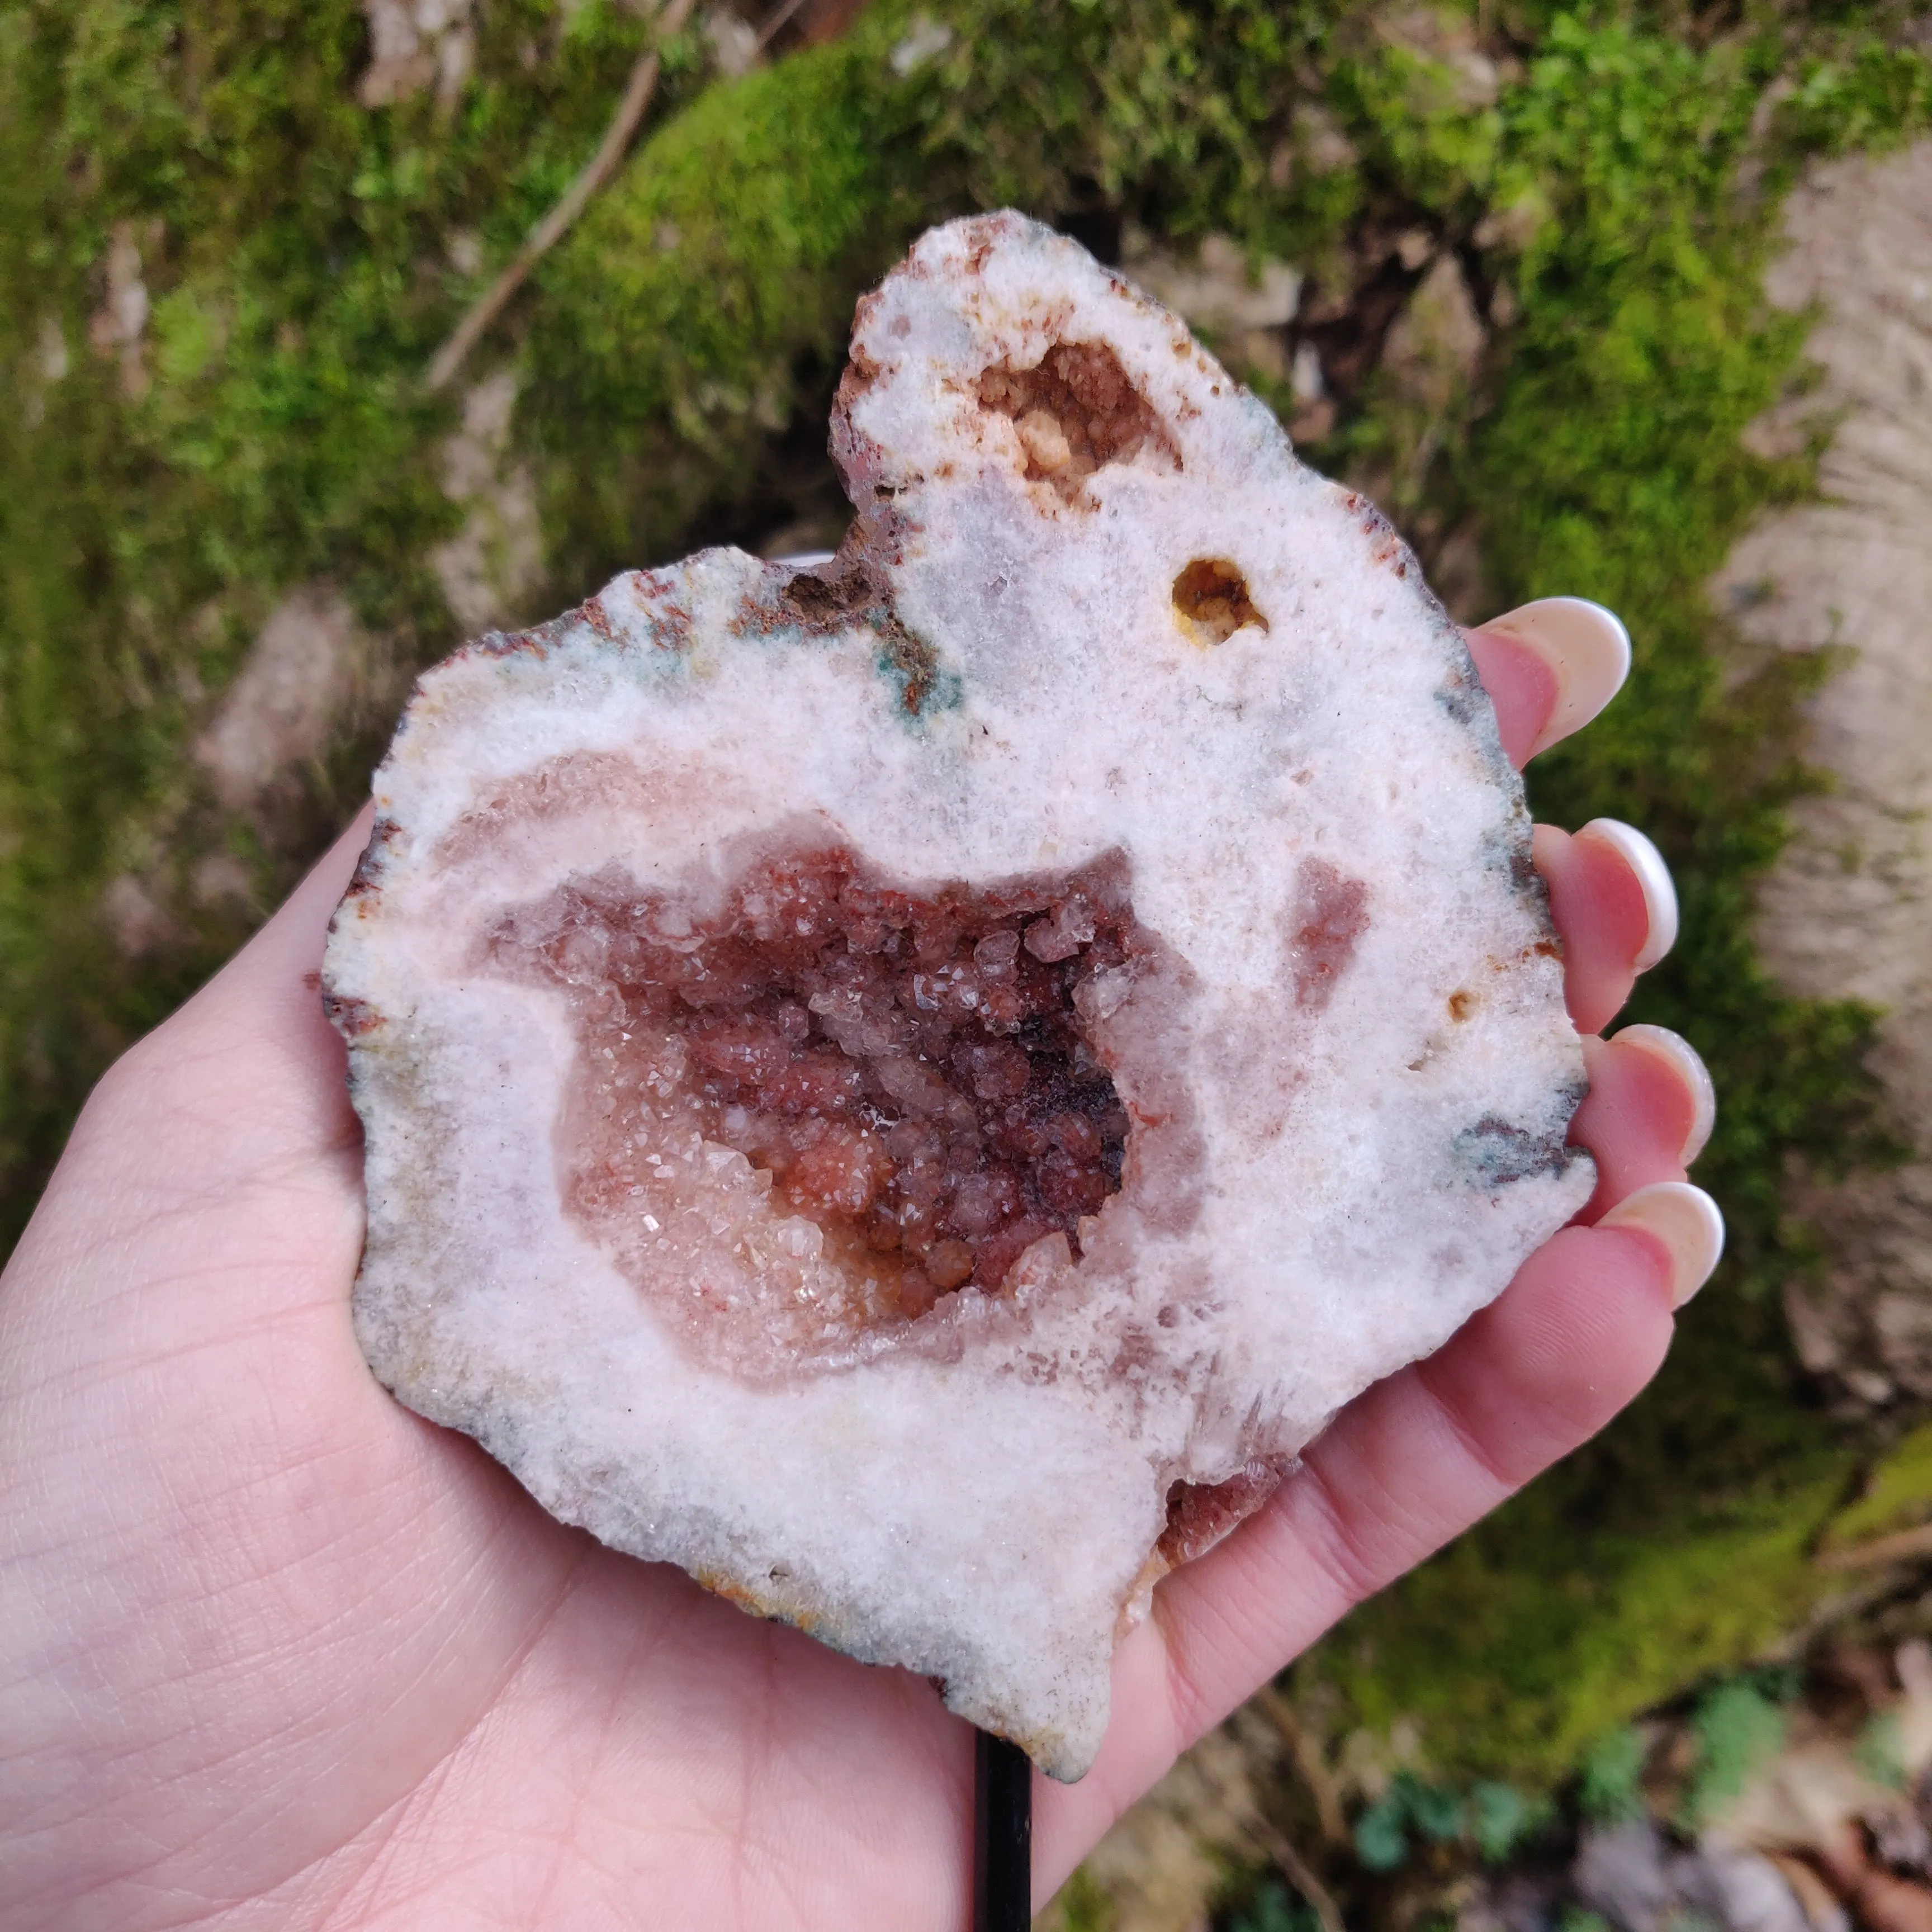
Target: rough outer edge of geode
[[955, 505]]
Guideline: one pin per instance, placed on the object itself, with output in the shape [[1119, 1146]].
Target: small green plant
[[1501, 1818], [1610, 1789], [1574, 1919], [1381, 1836], [1493, 1819], [1738, 1726], [1273, 1908]]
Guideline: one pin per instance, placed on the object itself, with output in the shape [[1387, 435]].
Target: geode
[[912, 1086]]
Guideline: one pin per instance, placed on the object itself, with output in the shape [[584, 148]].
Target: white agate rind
[[1364, 1173]]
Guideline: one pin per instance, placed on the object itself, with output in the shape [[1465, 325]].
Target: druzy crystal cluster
[[908, 1076], [913, 1086]]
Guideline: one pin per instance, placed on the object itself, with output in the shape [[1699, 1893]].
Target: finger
[[1549, 668], [1523, 686], [1405, 1468], [1649, 1110], [1614, 908], [1683, 1222]]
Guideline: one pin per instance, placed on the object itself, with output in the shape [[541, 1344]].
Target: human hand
[[275, 1652]]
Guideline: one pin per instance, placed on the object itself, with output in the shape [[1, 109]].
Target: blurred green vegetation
[[1608, 179], [294, 249], [1490, 1818]]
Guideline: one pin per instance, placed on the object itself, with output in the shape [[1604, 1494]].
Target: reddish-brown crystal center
[[912, 1072]]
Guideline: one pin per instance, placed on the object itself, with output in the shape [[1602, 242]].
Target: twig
[[1308, 1760], [1294, 1868], [775, 25], [1880, 1549], [553, 227]]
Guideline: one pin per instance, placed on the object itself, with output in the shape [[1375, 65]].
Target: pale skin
[[276, 1653]]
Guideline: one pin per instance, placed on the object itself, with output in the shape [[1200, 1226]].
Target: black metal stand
[[1002, 1837]]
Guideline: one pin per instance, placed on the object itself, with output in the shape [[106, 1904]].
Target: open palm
[[275, 1652]]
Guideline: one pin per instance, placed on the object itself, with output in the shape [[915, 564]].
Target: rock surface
[[1629, 1875], [1849, 911], [493, 563], [301, 675], [912, 1088]]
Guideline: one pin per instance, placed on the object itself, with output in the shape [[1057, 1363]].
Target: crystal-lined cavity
[[832, 1103], [1075, 411]]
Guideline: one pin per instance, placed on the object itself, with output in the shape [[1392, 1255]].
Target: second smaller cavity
[[1211, 602]]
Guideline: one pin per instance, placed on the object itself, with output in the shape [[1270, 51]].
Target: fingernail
[[1686, 1220], [1586, 646], [1660, 895], [1689, 1064]]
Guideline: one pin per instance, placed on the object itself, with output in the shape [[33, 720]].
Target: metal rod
[[1002, 1837]]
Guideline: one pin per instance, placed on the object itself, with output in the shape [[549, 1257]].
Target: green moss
[[1896, 1495], [1867, 96], [687, 316], [1532, 1635], [1079, 1906], [294, 248], [707, 297], [1502, 1819]]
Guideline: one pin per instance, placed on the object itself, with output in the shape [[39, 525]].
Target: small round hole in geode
[[1211, 600]]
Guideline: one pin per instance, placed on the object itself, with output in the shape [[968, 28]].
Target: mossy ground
[[1608, 180]]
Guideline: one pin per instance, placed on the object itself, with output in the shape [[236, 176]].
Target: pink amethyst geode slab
[[912, 1086]]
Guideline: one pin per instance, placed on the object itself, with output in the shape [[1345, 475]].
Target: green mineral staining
[[222, 276]]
